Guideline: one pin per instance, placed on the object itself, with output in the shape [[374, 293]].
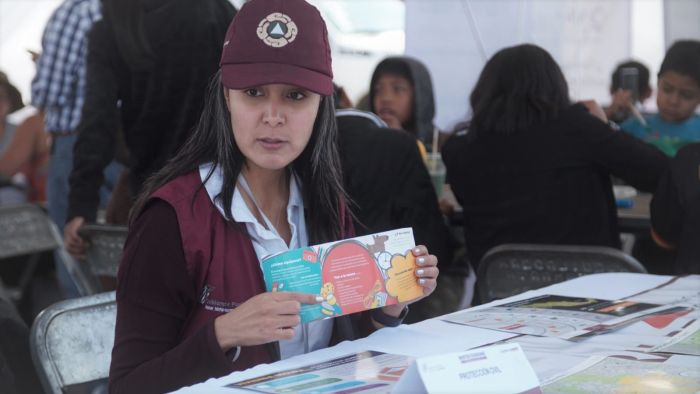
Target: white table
[[548, 356]]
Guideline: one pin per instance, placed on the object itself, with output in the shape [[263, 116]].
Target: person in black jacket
[[675, 210], [535, 168], [149, 62], [389, 188]]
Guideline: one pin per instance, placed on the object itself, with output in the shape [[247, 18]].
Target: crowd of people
[[219, 137]]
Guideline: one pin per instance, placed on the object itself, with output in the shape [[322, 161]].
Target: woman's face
[[393, 100], [677, 97], [272, 123]]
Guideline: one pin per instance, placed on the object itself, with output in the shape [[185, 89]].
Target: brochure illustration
[[351, 275], [366, 372]]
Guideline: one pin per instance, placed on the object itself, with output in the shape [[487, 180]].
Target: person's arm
[[154, 299], [95, 145], [28, 142], [624, 156]]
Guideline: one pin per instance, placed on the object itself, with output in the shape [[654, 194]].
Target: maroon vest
[[224, 268], [220, 259]]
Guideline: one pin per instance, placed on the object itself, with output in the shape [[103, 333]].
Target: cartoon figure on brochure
[[329, 306]]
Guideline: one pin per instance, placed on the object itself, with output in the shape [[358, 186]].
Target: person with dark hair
[[535, 168], [401, 93], [260, 174], [148, 66], [675, 210], [677, 97], [629, 85]]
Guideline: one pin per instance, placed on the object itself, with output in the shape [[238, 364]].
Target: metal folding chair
[[105, 245], [71, 344], [511, 269], [25, 229]]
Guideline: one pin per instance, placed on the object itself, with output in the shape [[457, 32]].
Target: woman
[[259, 175], [24, 149], [535, 168]]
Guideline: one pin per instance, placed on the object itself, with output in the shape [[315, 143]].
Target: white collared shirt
[[308, 337]]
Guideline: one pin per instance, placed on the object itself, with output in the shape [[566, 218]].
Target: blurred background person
[[535, 168], [675, 210], [153, 58], [678, 97], [629, 87], [401, 93], [58, 90]]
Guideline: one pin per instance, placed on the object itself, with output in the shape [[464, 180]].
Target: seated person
[[260, 174], [678, 96], [23, 148], [623, 98], [535, 168], [401, 93], [675, 210]]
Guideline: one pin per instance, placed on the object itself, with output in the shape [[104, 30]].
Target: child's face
[[393, 100], [678, 96], [272, 124]]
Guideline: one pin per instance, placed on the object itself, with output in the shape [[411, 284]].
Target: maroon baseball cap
[[277, 41]]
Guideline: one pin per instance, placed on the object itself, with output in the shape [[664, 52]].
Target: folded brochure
[[351, 275]]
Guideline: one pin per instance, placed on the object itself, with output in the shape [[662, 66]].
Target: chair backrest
[[104, 252], [25, 229], [71, 342], [511, 269]]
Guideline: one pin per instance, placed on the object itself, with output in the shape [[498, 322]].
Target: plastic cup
[[436, 169]]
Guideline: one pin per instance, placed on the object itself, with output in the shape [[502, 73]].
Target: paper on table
[[492, 369], [368, 372], [555, 316], [615, 375]]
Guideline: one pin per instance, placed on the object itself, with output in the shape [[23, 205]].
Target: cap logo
[[277, 30]]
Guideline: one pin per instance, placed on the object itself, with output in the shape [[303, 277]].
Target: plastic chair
[[511, 269], [27, 230], [71, 344], [104, 252]]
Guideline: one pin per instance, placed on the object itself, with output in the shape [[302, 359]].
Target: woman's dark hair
[[683, 57], [11, 93], [519, 87], [318, 166]]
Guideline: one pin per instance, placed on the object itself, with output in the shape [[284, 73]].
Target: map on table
[[616, 375], [556, 316], [684, 344]]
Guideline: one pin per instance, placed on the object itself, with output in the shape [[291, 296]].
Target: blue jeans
[[57, 188]]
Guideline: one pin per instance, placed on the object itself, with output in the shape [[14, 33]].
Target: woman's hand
[[426, 276], [267, 317]]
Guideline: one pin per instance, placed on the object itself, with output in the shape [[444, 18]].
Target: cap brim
[[243, 76]]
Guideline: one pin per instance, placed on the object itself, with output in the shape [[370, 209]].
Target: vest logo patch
[[277, 30], [211, 304]]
